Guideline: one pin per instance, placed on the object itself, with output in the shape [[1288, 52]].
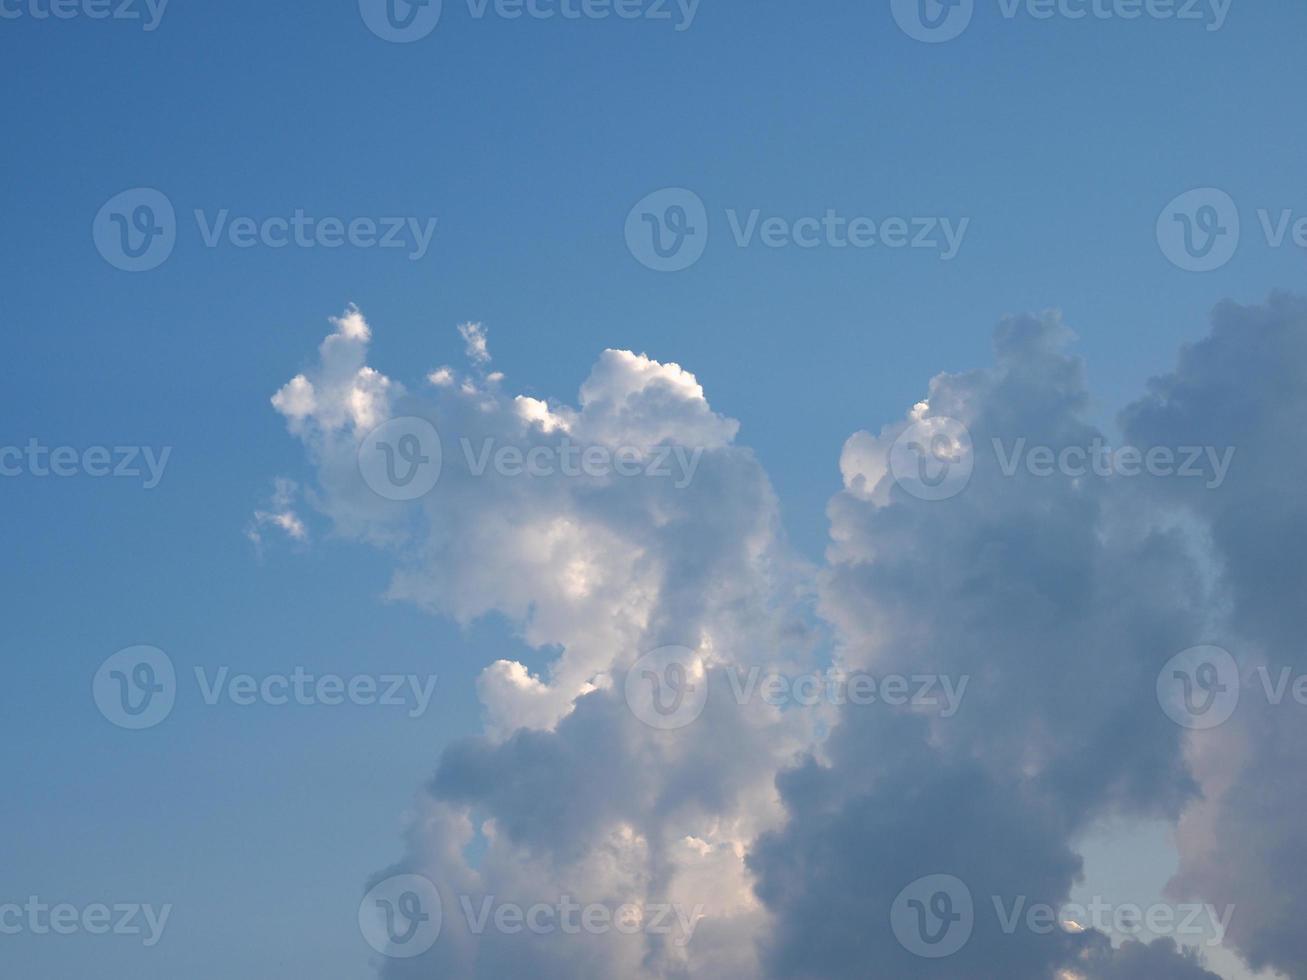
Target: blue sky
[[529, 141]]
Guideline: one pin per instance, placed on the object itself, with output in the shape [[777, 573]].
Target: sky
[[812, 285]]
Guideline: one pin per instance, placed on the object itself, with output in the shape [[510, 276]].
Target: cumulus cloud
[[785, 834], [568, 791], [1243, 840], [1056, 599]]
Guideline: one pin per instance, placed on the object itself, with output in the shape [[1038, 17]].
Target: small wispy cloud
[[280, 513]]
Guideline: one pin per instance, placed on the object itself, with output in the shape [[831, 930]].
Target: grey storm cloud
[[1245, 841]]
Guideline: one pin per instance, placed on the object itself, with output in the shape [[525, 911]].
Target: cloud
[[1161, 959], [474, 340], [793, 831], [281, 514], [1056, 598], [1243, 841]]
